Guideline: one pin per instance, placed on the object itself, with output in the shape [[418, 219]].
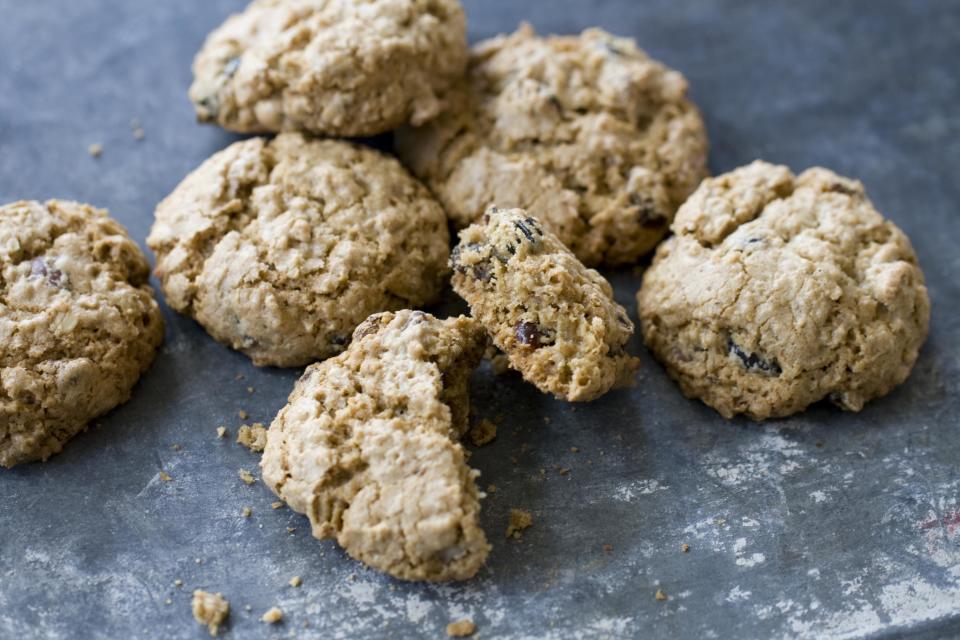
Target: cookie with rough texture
[[586, 132], [368, 447], [555, 319], [332, 67], [778, 291], [279, 248], [78, 323]]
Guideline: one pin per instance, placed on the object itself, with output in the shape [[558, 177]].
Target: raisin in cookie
[[367, 447], [333, 67], [280, 248], [555, 319], [586, 132], [779, 290], [78, 323]]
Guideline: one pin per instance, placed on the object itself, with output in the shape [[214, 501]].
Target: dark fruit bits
[[528, 333], [43, 268], [753, 361]]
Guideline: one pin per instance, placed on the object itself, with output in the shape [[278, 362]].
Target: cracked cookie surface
[[78, 323], [555, 319], [331, 67], [778, 291], [280, 248], [368, 447], [586, 132]]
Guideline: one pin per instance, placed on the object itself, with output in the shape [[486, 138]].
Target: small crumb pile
[[246, 476], [273, 615], [519, 520], [221, 432], [210, 609], [295, 581], [461, 628], [253, 437], [483, 432]]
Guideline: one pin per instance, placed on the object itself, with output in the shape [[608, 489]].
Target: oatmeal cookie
[[586, 132], [280, 248], [368, 447], [331, 67], [555, 319], [78, 323], [778, 291]]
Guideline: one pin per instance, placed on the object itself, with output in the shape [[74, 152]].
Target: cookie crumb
[[221, 432], [500, 364], [290, 530], [210, 609], [250, 390], [246, 476], [276, 505], [295, 581], [685, 548], [607, 548], [243, 414], [461, 628], [574, 450], [239, 376], [660, 595], [519, 520], [247, 512], [178, 582], [95, 150], [177, 447], [165, 476], [483, 432], [168, 601], [253, 437], [491, 488], [272, 616], [563, 470], [546, 419]]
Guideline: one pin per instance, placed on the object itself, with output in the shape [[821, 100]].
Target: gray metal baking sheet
[[825, 525]]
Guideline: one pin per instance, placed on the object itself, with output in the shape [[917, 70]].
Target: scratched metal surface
[[824, 525]]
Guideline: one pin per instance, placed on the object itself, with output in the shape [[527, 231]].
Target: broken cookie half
[[368, 447], [555, 319]]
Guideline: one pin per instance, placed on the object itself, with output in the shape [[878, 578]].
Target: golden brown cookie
[[331, 67], [778, 291], [78, 323], [555, 319], [279, 248], [587, 133], [368, 447]]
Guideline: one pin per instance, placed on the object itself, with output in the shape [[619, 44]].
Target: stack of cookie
[[550, 156]]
